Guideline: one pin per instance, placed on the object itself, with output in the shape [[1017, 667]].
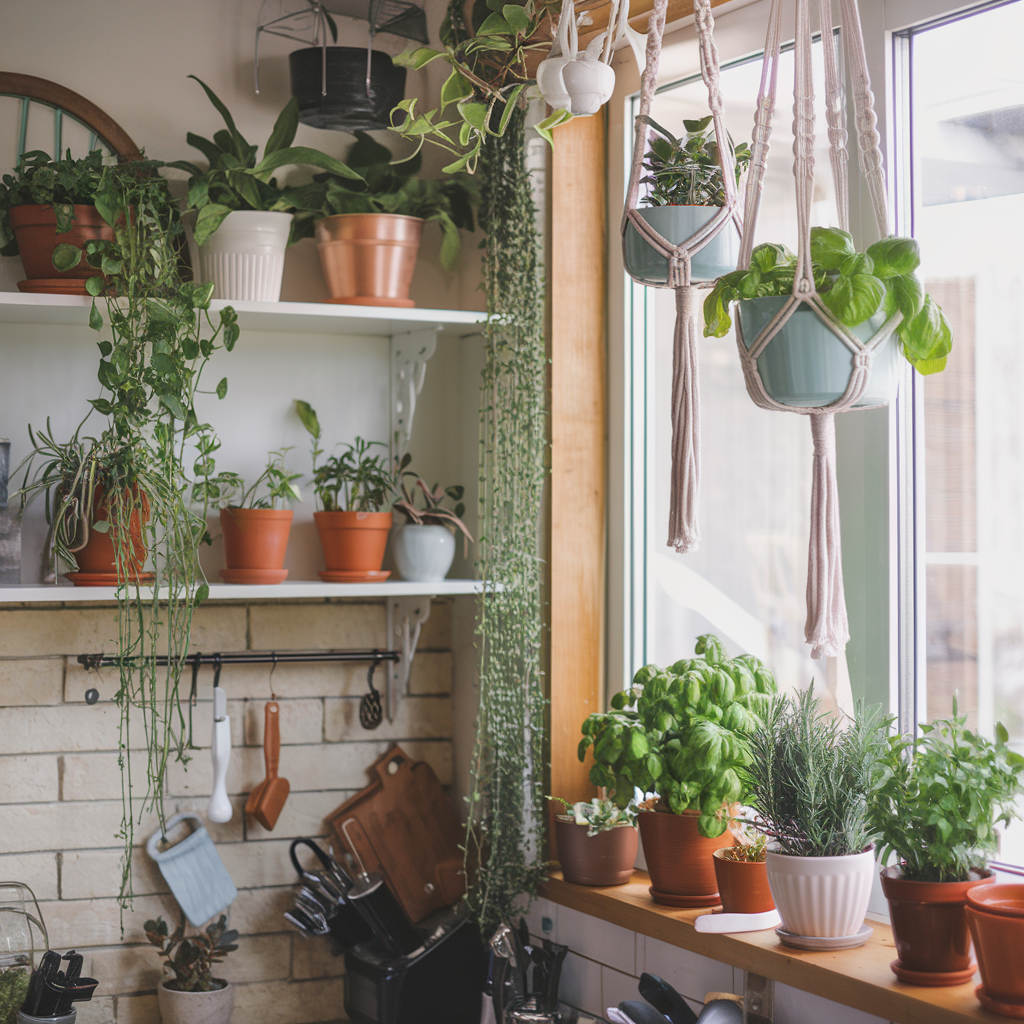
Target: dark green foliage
[[940, 797], [809, 776], [683, 733], [192, 957], [853, 286]]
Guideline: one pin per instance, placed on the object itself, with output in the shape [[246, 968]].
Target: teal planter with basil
[[677, 224], [806, 365]]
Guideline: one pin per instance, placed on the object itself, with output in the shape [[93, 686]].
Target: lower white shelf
[[289, 590]]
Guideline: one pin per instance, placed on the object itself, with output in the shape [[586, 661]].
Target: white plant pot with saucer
[[244, 257], [423, 552], [213, 1007]]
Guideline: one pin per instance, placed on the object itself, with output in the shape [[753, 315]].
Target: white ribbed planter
[[423, 552], [244, 257], [821, 896]]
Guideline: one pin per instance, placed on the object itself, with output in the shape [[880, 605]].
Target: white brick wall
[[60, 788]]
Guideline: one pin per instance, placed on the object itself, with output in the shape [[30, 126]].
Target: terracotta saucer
[[932, 979], [668, 899], [105, 579], [372, 300], [347, 576], [821, 942], [54, 286], [1006, 1009], [254, 576]]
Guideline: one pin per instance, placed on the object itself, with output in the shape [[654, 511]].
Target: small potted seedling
[[193, 995], [597, 841], [742, 873]]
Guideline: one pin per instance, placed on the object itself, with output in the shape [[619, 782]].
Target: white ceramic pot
[[244, 258], [821, 896], [195, 1007], [551, 84], [590, 84], [424, 552]]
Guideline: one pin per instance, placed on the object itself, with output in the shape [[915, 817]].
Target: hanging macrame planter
[[796, 356], [683, 248]]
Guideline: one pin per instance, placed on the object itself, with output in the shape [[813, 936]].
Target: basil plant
[[854, 286], [683, 733]]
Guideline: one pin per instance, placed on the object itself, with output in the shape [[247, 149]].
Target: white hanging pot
[[244, 257], [549, 71], [424, 552], [590, 84]]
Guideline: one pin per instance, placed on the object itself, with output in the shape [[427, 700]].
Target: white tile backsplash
[[581, 984], [690, 974], [617, 987], [598, 940], [795, 1007]]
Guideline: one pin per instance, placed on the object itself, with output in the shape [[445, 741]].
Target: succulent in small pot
[[809, 779], [596, 841], [936, 808], [742, 873], [351, 490], [683, 733], [193, 995], [685, 190]]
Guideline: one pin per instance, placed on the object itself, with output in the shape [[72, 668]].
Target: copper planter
[[35, 228], [680, 859], [369, 258]]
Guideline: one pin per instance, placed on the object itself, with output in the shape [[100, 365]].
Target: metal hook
[[270, 678], [216, 670]]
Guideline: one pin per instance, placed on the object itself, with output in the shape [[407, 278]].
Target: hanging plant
[[507, 810]]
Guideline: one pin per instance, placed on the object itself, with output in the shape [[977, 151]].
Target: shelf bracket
[[409, 356], [758, 999], [406, 616]]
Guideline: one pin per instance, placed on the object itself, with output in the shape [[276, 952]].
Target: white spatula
[[220, 808]]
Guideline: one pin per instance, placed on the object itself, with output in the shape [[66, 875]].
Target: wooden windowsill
[[857, 977]]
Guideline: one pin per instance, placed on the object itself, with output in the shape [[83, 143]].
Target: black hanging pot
[[347, 105]]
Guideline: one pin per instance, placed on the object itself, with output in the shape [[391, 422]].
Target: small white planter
[[244, 258], [195, 1007], [821, 896], [589, 83], [424, 552]]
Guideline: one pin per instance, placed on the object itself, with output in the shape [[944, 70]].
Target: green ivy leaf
[[222, 388], [66, 257]]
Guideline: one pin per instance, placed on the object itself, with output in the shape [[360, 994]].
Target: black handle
[[325, 859]]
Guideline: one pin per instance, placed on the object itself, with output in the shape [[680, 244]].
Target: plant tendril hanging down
[[504, 832]]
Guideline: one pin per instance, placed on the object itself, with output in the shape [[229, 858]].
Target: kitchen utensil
[[304, 923], [666, 1000], [409, 832], [721, 1011], [371, 711], [717, 924], [219, 808], [524, 979], [641, 1013], [267, 799], [337, 874], [194, 871]]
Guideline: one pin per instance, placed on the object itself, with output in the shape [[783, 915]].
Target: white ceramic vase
[[423, 552], [821, 896], [195, 1007], [244, 258], [590, 84]]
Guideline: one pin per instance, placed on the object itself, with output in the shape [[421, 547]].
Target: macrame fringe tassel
[[683, 531], [827, 629]]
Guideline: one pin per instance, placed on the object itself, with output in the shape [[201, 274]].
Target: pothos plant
[[683, 733], [854, 286], [157, 336]]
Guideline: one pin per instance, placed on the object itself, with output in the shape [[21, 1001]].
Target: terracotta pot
[[35, 229], [369, 258], [196, 1007], [680, 859], [929, 926], [255, 541], [97, 566], [604, 859], [995, 915], [353, 541], [743, 885]]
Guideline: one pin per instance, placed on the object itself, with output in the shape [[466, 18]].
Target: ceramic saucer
[[346, 576], [1006, 1009], [254, 576], [823, 941], [932, 979], [105, 579], [54, 286], [668, 899]]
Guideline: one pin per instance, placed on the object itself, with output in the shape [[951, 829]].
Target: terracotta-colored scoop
[[267, 799]]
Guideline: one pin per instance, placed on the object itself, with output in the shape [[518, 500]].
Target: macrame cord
[[827, 627], [683, 531]]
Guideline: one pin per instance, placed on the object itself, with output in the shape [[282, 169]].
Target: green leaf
[[241, 147], [456, 87], [94, 285], [304, 155], [895, 257], [66, 257], [210, 218], [308, 416], [927, 338], [852, 300], [698, 126], [553, 120], [475, 113], [416, 57], [517, 17], [202, 593], [285, 126], [495, 25], [173, 404], [908, 294], [831, 247], [222, 387]]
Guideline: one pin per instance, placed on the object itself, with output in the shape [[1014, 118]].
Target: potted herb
[[46, 203], [193, 995], [254, 526], [742, 875], [369, 228], [243, 218], [597, 841], [685, 190], [351, 490], [683, 733], [806, 364], [425, 546], [809, 777], [935, 810]]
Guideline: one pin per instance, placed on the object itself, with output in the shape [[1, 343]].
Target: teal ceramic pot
[[677, 224], [806, 365]]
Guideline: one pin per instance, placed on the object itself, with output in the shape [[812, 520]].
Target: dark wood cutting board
[[404, 826]]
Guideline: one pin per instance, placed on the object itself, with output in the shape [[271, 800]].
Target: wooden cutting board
[[404, 826]]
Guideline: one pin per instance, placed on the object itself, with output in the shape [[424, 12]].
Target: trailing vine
[[506, 820]]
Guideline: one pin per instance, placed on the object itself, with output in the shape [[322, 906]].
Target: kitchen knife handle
[[271, 738]]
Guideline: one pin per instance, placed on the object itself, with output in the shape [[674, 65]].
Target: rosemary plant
[[506, 820]]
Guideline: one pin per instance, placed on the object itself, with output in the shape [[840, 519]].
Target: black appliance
[[440, 983]]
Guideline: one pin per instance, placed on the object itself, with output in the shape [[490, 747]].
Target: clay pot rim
[[388, 216], [796, 857], [568, 819], [742, 863], [276, 513], [49, 206], [360, 516], [980, 906], [896, 887], [179, 992]]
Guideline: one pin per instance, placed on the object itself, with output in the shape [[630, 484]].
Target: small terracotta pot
[[604, 859], [995, 915], [743, 885], [929, 926], [353, 541], [680, 859], [255, 542], [196, 1007], [369, 258], [97, 565], [35, 229]]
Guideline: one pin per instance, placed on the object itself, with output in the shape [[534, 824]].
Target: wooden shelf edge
[[859, 978]]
